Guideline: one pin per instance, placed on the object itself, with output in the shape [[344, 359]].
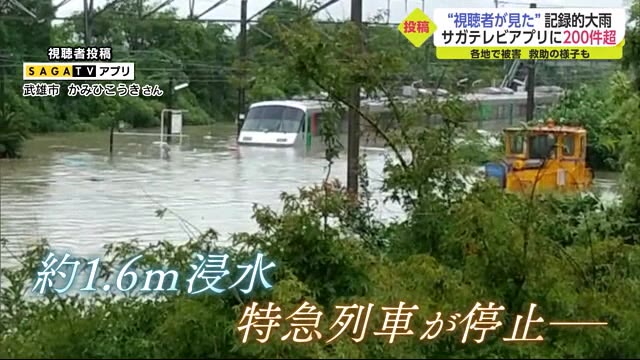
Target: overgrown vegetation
[[206, 56], [605, 112], [608, 110], [459, 244]]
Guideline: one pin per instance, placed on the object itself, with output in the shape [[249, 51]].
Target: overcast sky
[[341, 10]]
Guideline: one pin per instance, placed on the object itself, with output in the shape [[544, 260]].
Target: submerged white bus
[[277, 123], [288, 123]]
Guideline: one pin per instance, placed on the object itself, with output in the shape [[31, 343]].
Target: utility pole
[[353, 142], [2, 87], [170, 105], [87, 29], [243, 60], [531, 85], [388, 11], [2, 119]]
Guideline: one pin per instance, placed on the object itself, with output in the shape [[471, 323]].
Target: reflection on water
[[68, 190]]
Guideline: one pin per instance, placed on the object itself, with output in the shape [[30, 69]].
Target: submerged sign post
[[176, 123], [524, 33], [176, 126]]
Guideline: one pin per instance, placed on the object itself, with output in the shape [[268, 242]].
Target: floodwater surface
[[68, 190]]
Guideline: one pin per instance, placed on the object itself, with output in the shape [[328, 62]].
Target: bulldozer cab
[[546, 143], [547, 156]]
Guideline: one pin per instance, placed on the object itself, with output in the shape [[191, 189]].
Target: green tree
[[269, 78], [458, 244], [627, 102], [632, 42], [592, 108], [14, 127]]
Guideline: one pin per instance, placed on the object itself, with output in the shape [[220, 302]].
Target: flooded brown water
[[68, 190]]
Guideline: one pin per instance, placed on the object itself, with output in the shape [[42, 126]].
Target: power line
[[217, 21]]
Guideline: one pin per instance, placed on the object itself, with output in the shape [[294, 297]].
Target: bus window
[[516, 144], [510, 113], [522, 110], [485, 112], [318, 123], [542, 146], [583, 147], [568, 145], [313, 123], [274, 118]]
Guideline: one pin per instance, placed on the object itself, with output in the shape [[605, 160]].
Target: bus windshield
[[274, 118]]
